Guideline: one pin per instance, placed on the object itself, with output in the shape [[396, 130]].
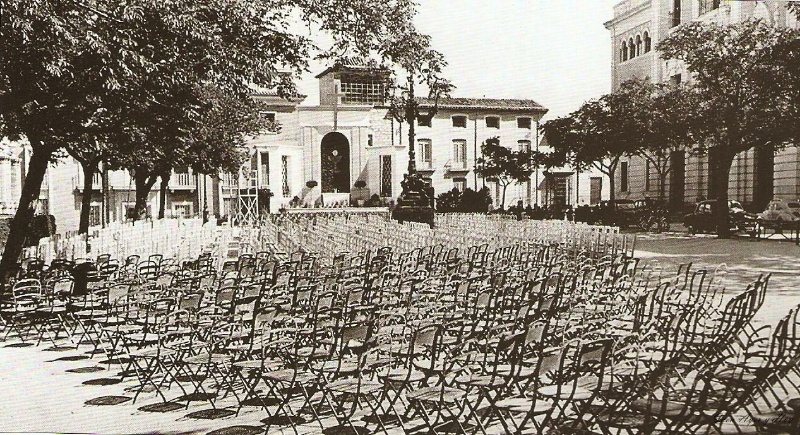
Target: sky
[[555, 52]]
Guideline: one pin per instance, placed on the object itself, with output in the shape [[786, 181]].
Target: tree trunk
[[144, 182], [503, 198], [722, 163], [162, 194], [662, 181], [89, 168], [106, 198], [612, 186], [19, 224]]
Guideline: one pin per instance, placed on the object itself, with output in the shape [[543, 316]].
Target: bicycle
[[657, 218]]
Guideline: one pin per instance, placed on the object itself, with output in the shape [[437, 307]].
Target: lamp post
[[415, 203]]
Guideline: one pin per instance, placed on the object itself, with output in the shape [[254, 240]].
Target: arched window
[[623, 56], [638, 45], [631, 49], [647, 42]]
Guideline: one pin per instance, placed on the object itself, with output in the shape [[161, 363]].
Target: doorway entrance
[[335, 162]]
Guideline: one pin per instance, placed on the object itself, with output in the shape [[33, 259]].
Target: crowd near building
[[757, 175]]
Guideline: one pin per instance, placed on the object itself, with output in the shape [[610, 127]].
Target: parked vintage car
[[702, 220], [620, 212], [779, 212]]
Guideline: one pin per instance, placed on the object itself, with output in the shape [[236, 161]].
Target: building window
[[369, 92], [623, 177], [285, 176], [386, 176], [524, 123], [708, 6], [460, 184], [229, 179], [675, 80], [676, 12], [424, 153], [182, 209], [268, 116], [459, 154], [631, 49], [647, 42], [638, 45], [182, 178], [264, 169], [95, 213], [424, 121], [624, 52], [492, 122], [130, 208], [460, 121], [524, 145]]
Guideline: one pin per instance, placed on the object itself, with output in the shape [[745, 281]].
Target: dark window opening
[[676, 12], [647, 42], [708, 6], [677, 179], [492, 122], [386, 176], [623, 177], [524, 123], [460, 121]]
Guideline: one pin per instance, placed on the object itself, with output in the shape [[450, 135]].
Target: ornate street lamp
[[415, 203]]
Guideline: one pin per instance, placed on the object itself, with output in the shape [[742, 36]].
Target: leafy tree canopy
[[115, 69], [746, 80], [503, 165]]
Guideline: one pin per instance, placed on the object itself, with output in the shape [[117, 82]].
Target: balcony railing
[[97, 182], [424, 166], [456, 165], [182, 180]]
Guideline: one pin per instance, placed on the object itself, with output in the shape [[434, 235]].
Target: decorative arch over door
[[335, 162]]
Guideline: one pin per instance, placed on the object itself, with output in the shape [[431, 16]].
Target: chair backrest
[[190, 301], [63, 286], [27, 293], [230, 266], [117, 293], [225, 296], [148, 269]]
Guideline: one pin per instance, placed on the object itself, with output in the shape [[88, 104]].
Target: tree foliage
[[602, 131], [411, 59], [468, 201], [668, 120], [503, 165], [739, 72], [121, 69]]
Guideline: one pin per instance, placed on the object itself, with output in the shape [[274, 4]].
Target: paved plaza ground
[[40, 390]]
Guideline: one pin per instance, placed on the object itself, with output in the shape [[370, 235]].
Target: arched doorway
[[335, 162]]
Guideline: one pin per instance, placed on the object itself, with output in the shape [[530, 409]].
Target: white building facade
[[345, 151]]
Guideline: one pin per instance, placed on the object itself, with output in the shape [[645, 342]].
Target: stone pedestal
[[415, 203]]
